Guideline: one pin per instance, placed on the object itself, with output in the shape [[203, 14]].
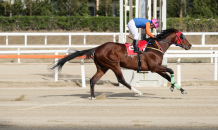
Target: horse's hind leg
[[100, 72]]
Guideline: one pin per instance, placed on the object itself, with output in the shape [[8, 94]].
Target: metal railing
[[57, 34], [169, 54]]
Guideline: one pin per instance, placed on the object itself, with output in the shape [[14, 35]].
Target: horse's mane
[[162, 35]]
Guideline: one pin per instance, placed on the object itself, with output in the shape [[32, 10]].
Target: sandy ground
[[70, 108], [30, 99]]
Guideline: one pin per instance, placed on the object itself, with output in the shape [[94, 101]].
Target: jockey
[[143, 24]]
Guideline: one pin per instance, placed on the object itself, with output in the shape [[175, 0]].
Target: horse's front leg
[[162, 71]]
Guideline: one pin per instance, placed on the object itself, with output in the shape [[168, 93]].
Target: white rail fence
[[169, 54], [57, 34], [202, 34]]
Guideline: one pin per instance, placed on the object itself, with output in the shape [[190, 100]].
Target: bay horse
[[113, 55]]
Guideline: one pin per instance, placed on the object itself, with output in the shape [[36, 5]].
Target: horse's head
[[181, 41]]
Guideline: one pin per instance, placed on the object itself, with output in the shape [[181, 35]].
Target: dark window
[[92, 11]]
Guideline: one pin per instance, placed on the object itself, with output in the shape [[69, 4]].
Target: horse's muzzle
[[187, 47]]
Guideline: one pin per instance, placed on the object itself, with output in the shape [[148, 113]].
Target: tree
[[46, 9], [12, 7], [173, 8], [105, 8], [201, 9], [181, 7], [70, 6], [32, 6], [84, 8], [212, 5], [1, 9]]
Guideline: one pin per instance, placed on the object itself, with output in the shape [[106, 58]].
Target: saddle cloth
[[130, 48]]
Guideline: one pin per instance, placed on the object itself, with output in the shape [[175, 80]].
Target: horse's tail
[[89, 54]]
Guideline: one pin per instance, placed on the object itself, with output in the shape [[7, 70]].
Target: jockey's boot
[[135, 46]]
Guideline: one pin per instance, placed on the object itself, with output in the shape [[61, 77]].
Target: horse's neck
[[164, 45]]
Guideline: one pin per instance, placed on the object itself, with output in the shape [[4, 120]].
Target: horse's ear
[[175, 30]]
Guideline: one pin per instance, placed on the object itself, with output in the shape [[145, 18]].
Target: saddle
[[142, 45], [142, 48]]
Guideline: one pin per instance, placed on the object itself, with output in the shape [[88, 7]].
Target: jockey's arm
[[147, 30]]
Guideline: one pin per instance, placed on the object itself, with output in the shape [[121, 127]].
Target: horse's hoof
[[93, 98], [171, 88], [184, 92], [140, 93]]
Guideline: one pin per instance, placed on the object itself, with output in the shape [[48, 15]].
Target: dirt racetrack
[[30, 99]]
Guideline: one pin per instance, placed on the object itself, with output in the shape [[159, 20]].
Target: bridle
[[179, 40]]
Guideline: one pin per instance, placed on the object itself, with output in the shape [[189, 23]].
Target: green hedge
[[99, 24], [193, 25], [25, 23]]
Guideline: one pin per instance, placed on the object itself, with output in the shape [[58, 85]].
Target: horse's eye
[[182, 37]]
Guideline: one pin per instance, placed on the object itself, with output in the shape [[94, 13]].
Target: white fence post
[[203, 39], [45, 40], [18, 60], [7, 40], [25, 39], [56, 69], [114, 38], [84, 40], [211, 53], [178, 72], [83, 74], [70, 40], [215, 68]]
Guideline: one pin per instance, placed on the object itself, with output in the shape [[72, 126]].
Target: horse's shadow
[[112, 95]]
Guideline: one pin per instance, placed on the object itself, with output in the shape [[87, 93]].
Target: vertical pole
[[67, 53], [83, 74], [45, 40], [97, 6], [160, 16], [25, 40], [203, 39], [178, 72], [215, 67], [125, 22], [6, 40], [136, 8], [149, 9], [114, 38], [121, 22], [130, 10], [143, 15], [211, 54], [84, 40], [155, 14], [18, 60], [56, 69], [69, 39], [164, 15]]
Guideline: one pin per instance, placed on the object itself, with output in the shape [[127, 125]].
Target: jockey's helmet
[[155, 22]]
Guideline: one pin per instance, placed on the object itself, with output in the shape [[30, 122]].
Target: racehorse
[[113, 55]]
